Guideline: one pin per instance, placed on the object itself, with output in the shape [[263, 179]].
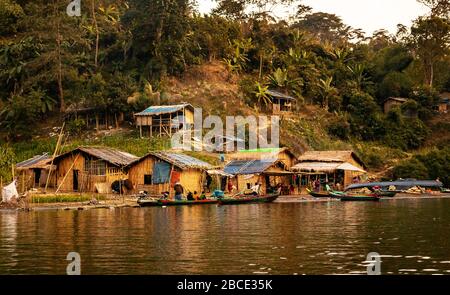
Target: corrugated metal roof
[[113, 156], [39, 161], [180, 160], [160, 110], [278, 94], [243, 167]]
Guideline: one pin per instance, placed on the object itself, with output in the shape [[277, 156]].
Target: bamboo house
[[158, 172], [337, 168], [91, 169], [270, 173], [34, 173], [165, 120]]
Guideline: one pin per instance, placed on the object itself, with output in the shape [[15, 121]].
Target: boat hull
[[163, 203], [360, 198], [249, 200]]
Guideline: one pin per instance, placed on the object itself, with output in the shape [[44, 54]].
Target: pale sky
[[369, 15]]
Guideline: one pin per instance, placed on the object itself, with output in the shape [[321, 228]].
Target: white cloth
[[9, 192]]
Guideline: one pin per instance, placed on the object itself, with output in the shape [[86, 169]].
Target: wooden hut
[[165, 120], [100, 118], [158, 172], [269, 173], [280, 103], [332, 167], [91, 169], [33, 173], [393, 102]]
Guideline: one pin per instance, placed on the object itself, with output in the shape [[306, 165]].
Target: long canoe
[[320, 195], [161, 203], [249, 200], [360, 198]]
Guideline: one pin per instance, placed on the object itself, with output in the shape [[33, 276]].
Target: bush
[[434, 165], [411, 169]]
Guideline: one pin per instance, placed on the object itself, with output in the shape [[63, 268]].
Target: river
[[411, 235]]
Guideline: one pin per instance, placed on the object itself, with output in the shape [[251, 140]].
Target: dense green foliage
[[433, 165]]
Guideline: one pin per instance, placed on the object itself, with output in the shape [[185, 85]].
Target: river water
[[412, 236]]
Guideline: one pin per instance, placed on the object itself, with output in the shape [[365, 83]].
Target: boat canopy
[[399, 184]]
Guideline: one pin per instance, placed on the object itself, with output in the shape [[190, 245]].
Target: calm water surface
[[413, 237]]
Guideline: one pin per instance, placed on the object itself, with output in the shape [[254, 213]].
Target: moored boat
[[319, 194], [248, 199], [162, 203], [360, 198]]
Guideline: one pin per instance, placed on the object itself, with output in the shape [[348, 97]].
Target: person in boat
[[317, 186], [230, 186], [190, 197], [255, 189], [179, 191], [202, 196]]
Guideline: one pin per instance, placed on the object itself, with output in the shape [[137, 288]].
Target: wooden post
[[58, 143], [140, 130], [96, 122], [160, 125], [12, 171]]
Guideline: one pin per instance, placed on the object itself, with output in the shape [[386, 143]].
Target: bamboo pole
[[67, 173], [12, 171], [58, 143]]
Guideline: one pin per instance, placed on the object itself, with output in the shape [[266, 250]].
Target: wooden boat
[[248, 199], [162, 203], [386, 194], [319, 195], [360, 198]]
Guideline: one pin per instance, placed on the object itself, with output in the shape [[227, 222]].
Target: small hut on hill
[[332, 167], [91, 169], [280, 103], [33, 173], [268, 172], [158, 172], [165, 120]]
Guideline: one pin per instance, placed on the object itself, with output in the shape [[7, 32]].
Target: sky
[[368, 15]]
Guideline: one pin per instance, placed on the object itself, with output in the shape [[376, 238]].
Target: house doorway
[[75, 180]]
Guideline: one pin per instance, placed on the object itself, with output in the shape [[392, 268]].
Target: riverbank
[[131, 202]]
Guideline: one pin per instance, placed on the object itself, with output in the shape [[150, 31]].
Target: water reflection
[[314, 238]]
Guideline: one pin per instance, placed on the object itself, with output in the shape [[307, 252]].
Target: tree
[[430, 41]]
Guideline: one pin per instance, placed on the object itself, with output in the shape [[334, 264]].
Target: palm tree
[[326, 90]]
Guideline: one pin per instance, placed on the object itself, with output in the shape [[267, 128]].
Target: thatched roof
[[110, 155], [179, 160], [325, 167], [261, 153], [330, 156]]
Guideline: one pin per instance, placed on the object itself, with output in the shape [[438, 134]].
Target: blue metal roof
[[244, 167], [159, 110]]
